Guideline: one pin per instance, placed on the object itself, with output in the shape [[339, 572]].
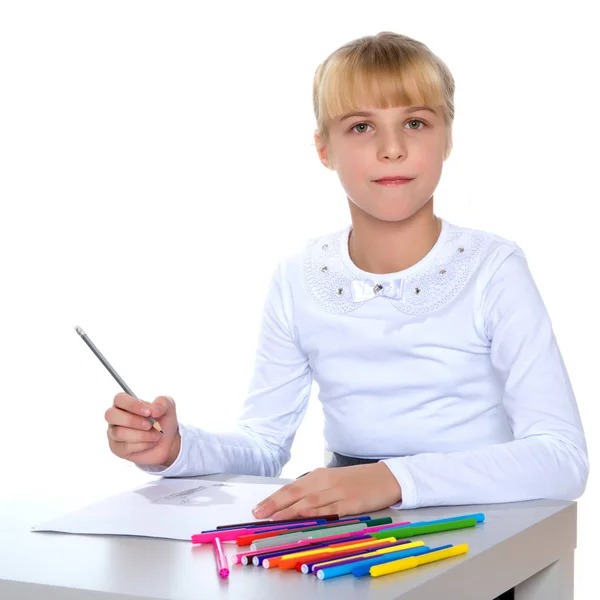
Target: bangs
[[348, 87], [384, 71]]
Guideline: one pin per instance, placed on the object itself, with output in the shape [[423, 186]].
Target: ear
[[323, 152]]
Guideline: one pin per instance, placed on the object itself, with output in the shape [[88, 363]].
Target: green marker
[[408, 531]]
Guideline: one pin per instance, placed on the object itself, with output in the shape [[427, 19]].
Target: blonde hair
[[383, 70]]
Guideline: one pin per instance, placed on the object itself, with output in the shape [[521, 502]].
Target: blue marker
[[360, 569], [336, 571]]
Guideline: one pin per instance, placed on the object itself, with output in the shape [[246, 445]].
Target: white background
[[157, 160]]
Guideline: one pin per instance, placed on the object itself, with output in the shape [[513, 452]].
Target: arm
[[548, 457], [260, 442]]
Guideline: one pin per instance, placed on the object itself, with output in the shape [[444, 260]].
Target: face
[[390, 142]]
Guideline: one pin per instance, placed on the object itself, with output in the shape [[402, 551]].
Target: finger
[[283, 498], [116, 416], [139, 447], [130, 404], [125, 450], [336, 508], [161, 405], [131, 436], [312, 505]]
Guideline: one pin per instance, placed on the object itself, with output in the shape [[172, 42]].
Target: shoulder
[[317, 250], [489, 250]]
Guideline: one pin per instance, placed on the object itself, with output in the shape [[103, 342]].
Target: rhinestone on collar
[[327, 278]]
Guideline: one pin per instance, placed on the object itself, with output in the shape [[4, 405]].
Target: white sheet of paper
[[168, 508]]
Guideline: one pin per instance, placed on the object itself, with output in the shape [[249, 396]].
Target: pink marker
[[386, 526], [339, 536], [332, 538], [361, 534], [222, 567], [237, 558], [294, 545]]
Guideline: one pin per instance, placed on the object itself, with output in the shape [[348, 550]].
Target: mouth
[[390, 181]]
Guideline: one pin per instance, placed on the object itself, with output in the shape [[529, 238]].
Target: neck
[[382, 247]]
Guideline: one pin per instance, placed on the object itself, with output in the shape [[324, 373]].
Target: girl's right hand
[[132, 437]]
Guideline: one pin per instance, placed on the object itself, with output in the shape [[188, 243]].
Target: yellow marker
[[350, 546], [373, 553], [414, 561]]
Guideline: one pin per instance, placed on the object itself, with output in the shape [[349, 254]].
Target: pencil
[[110, 369]]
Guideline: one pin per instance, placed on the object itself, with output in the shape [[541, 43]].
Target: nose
[[392, 147]]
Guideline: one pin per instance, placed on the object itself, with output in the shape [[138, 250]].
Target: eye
[[359, 125], [416, 121]]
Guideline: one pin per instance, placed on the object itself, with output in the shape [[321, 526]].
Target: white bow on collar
[[366, 289]]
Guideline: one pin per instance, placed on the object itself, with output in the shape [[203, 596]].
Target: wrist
[[174, 450], [394, 487]]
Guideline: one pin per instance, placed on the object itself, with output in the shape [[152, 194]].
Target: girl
[[439, 372]]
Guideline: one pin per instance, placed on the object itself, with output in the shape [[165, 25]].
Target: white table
[[529, 545]]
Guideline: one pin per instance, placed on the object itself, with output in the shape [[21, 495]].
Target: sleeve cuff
[[405, 479]]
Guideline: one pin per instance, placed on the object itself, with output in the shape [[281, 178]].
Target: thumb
[[161, 406]]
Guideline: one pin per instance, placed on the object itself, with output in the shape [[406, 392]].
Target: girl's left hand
[[342, 491]]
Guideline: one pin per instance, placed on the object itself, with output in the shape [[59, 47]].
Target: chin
[[390, 209], [391, 216]]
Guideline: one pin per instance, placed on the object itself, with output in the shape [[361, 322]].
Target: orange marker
[[275, 561], [290, 561]]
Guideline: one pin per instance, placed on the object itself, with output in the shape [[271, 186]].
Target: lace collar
[[337, 285]]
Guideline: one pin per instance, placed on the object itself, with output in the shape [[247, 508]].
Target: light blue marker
[[336, 571], [362, 568], [479, 518]]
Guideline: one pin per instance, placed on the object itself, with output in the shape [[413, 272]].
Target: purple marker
[[258, 559], [291, 525], [263, 528], [309, 567]]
